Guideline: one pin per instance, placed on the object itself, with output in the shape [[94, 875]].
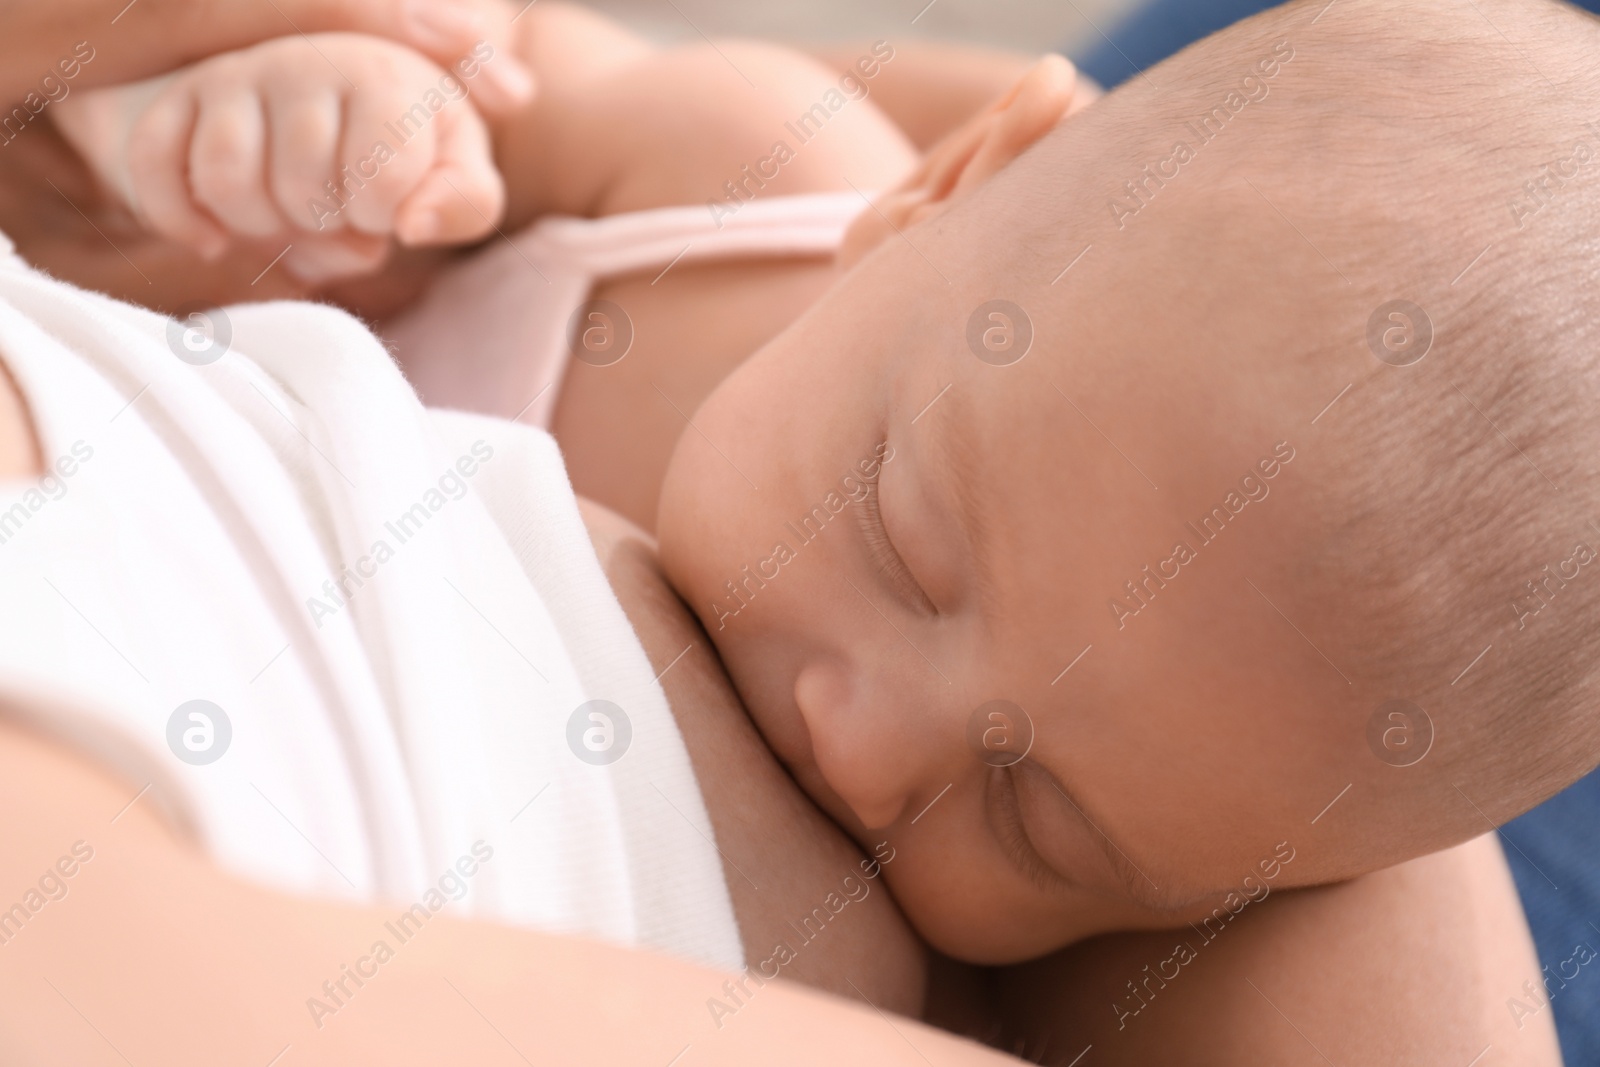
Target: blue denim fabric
[[1554, 850], [1555, 857], [1162, 27]]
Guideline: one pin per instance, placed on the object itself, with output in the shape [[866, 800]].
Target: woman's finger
[[474, 41]]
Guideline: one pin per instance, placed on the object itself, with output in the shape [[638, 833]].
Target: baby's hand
[[332, 143]]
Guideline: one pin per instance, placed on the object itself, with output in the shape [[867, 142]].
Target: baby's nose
[[873, 749]]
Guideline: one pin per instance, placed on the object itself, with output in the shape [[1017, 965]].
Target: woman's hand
[[146, 38], [446, 31]]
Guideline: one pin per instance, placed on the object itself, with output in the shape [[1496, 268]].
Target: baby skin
[[1063, 574], [1162, 783]]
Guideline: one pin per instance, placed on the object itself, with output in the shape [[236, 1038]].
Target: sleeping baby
[[1133, 521]]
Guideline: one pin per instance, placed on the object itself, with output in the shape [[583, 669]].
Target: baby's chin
[[970, 906], [985, 933]]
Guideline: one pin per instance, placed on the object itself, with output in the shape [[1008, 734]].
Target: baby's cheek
[[952, 893]]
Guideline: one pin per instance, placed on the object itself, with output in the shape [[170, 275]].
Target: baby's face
[[915, 565]]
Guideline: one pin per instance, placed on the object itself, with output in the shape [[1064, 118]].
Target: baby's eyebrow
[[955, 452]]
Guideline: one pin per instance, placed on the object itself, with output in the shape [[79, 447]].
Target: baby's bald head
[[1458, 515], [1306, 406], [1401, 199]]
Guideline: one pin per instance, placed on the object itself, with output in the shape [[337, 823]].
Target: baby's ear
[[1048, 93]]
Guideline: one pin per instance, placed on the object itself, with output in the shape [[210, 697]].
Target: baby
[[1151, 518], [1190, 513], [1198, 508]]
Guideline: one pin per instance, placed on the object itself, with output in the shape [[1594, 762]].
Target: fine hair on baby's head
[[1458, 515], [1233, 484]]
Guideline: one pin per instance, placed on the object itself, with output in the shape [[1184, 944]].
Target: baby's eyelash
[[1006, 816], [889, 562]]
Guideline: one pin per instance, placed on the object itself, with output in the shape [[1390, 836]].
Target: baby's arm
[[1414, 965], [621, 125]]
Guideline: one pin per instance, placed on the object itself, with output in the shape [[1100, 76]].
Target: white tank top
[[397, 612]]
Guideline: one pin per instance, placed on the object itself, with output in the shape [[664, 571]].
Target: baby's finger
[[318, 259], [158, 171], [227, 162], [463, 196], [304, 139], [384, 163]]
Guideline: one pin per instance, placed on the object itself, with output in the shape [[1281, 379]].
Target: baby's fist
[[335, 143]]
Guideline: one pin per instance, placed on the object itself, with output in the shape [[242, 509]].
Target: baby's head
[[1151, 525]]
